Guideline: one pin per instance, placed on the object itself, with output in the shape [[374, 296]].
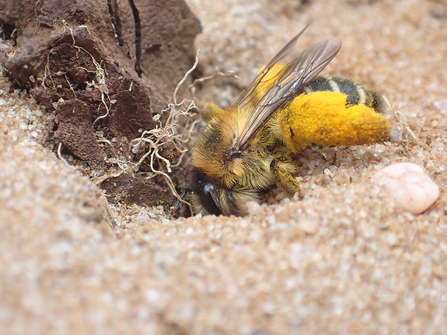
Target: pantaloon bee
[[247, 148]]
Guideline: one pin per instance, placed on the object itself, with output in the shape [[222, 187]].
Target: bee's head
[[208, 197]]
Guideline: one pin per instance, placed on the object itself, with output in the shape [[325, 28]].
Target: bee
[[247, 148]]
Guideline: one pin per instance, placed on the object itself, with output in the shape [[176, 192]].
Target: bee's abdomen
[[356, 94]]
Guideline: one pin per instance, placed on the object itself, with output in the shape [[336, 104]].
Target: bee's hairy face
[[209, 197]]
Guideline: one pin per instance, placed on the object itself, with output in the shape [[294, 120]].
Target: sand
[[340, 258]]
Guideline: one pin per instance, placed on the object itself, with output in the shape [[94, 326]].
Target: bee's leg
[[283, 170], [182, 196]]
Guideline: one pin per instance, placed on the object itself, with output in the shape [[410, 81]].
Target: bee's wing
[[291, 82], [249, 92]]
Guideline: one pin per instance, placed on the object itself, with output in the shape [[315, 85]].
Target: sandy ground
[[340, 259]]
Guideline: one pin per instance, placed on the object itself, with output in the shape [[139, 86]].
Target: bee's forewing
[[250, 92], [291, 82]]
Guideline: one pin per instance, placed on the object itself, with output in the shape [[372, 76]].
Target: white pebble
[[409, 185], [309, 226]]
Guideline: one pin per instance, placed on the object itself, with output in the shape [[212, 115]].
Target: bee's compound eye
[[208, 189], [213, 198], [208, 198]]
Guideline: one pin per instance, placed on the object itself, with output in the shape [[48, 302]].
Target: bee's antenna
[[182, 196]]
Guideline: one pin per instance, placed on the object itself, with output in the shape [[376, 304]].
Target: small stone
[[309, 226], [409, 185]]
